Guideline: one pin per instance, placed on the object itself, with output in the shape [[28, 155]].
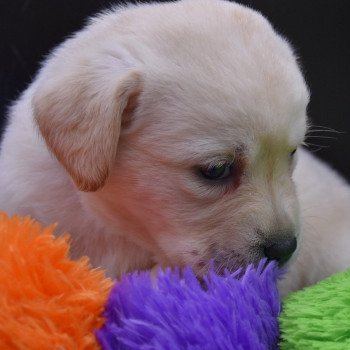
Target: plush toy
[[318, 317], [176, 312], [48, 301]]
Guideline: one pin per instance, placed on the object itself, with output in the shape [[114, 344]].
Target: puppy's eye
[[291, 154], [217, 171]]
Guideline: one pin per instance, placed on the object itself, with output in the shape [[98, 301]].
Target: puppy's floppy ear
[[79, 105]]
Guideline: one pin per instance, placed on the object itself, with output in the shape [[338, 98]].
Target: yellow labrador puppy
[[170, 134]]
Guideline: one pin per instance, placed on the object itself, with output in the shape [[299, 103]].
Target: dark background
[[319, 31]]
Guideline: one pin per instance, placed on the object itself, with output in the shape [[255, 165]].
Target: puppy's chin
[[221, 267], [237, 265]]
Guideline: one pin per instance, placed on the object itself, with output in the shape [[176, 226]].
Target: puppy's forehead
[[218, 69]]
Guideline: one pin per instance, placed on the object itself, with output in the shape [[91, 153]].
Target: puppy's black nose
[[281, 250]]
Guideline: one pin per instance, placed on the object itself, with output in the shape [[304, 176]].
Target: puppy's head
[[182, 120]]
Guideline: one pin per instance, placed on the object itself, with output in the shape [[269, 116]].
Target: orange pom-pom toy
[[47, 301]]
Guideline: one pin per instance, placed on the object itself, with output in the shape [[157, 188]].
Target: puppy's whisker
[[324, 131], [323, 128], [316, 150], [311, 207], [309, 145], [316, 218], [228, 261], [321, 137]]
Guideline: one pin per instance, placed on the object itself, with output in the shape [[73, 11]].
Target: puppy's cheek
[[179, 250]]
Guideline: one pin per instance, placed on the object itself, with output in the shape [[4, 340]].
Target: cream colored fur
[[108, 139]]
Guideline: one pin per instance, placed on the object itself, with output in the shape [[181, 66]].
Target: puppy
[[170, 134]]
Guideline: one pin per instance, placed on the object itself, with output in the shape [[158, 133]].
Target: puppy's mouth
[[234, 263], [237, 263], [236, 270]]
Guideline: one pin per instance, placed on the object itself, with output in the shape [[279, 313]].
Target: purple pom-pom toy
[[174, 312]]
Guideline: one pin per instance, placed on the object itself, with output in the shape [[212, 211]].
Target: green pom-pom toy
[[318, 317]]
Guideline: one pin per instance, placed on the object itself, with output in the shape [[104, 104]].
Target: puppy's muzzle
[[281, 250]]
